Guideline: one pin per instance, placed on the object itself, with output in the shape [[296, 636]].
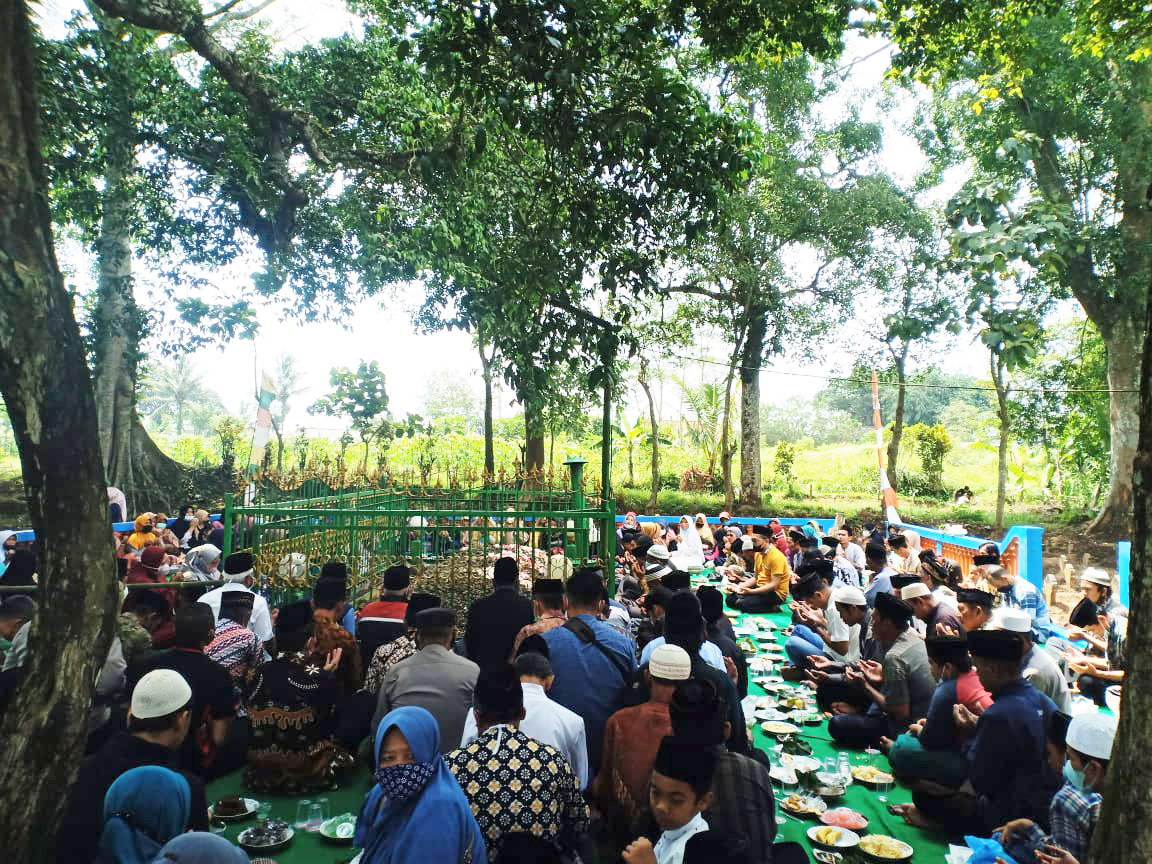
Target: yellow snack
[[868, 774], [828, 836], [884, 847]]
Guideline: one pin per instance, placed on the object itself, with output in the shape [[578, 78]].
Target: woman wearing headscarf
[[653, 530], [689, 550], [202, 564], [7, 547], [144, 809], [707, 539], [629, 524], [200, 847], [416, 812], [185, 526], [142, 534], [21, 568]]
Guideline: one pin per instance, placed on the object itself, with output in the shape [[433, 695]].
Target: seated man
[[547, 609], [743, 804], [975, 608], [291, 710], [833, 692], [1018, 593], [514, 783], [159, 718], [400, 648], [718, 631], [879, 572], [766, 589], [1075, 807], [898, 691], [931, 749], [1007, 764], [544, 720], [383, 620], [631, 739], [239, 575], [1097, 674], [822, 630], [1040, 668], [928, 609], [433, 678]]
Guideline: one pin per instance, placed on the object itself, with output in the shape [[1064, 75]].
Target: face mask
[[163, 569], [1075, 778]]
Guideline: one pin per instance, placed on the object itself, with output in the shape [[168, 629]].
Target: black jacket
[[493, 623], [83, 821]]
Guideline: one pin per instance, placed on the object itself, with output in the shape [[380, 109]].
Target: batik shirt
[[516, 784], [238, 650], [387, 656]]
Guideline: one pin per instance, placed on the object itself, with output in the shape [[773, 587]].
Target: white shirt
[[261, 623], [669, 848], [549, 723], [854, 554], [710, 653], [838, 631]]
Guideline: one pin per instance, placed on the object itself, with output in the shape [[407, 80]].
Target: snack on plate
[[844, 817], [779, 727], [868, 774], [881, 846], [803, 805], [827, 836], [233, 805]]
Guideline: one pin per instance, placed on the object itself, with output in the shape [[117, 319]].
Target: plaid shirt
[[1073, 815], [1024, 595], [743, 803]]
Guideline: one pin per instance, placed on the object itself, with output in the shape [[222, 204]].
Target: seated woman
[[416, 812], [203, 564], [689, 552], [200, 847], [291, 712], [704, 531], [142, 535], [144, 809]]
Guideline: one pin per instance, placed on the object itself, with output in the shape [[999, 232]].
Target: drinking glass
[[315, 816], [324, 813], [883, 787], [263, 810], [302, 808], [778, 781]]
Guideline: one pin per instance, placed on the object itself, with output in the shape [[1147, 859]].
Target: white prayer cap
[[670, 663], [159, 693], [916, 589], [1012, 620], [1092, 734], [849, 596]]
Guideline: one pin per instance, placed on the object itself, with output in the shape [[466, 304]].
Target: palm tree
[[172, 392], [627, 439], [705, 431]]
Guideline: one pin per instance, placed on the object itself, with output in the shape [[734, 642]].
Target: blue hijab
[[144, 809], [199, 847], [437, 823]]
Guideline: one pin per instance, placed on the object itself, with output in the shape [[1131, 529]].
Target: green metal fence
[[449, 537]]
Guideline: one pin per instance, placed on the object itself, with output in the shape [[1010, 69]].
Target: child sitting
[[681, 786]]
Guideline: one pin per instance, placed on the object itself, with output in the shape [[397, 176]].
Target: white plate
[[803, 764], [846, 840], [783, 774]]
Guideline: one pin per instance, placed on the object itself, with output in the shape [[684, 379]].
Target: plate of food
[[784, 775], [831, 791], [771, 714], [779, 727], [832, 837], [773, 686], [339, 829], [763, 623], [803, 764], [844, 817], [880, 847], [804, 805], [732, 613], [870, 776], [233, 808], [267, 838]]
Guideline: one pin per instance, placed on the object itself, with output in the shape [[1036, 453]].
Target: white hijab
[[689, 548]]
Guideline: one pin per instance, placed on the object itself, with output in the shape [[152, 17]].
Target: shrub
[[784, 460], [932, 445]]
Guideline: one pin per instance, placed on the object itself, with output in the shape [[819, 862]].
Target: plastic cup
[[302, 808], [263, 810], [315, 816]]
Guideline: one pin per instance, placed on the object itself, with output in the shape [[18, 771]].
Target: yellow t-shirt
[[772, 566]]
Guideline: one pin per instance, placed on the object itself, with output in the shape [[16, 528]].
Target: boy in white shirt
[[680, 788]]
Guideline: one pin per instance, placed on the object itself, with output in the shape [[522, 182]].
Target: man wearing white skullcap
[[1097, 587], [1040, 667], [1076, 806]]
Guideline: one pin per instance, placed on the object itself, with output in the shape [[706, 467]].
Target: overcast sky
[[384, 332]]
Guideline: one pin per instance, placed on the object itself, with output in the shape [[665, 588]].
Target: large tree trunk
[[750, 471], [726, 449], [1124, 829], [1002, 450], [533, 439], [149, 478], [898, 419], [45, 384], [489, 444], [1124, 341], [655, 427]]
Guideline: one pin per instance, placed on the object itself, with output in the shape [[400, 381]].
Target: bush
[[784, 460], [932, 445]]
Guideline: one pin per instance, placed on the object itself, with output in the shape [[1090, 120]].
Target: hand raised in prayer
[[333, 659], [1015, 828], [946, 630], [730, 668], [1074, 632], [1055, 855], [854, 676], [873, 671], [820, 661], [639, 851], [1081, 667], [963, 718]]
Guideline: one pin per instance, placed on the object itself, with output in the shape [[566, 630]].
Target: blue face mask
[[1075, 778]]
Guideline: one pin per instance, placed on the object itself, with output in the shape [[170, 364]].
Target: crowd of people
[[580, 724]]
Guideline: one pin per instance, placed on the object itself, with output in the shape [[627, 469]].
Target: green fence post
[[229, 527], [579, 502]]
